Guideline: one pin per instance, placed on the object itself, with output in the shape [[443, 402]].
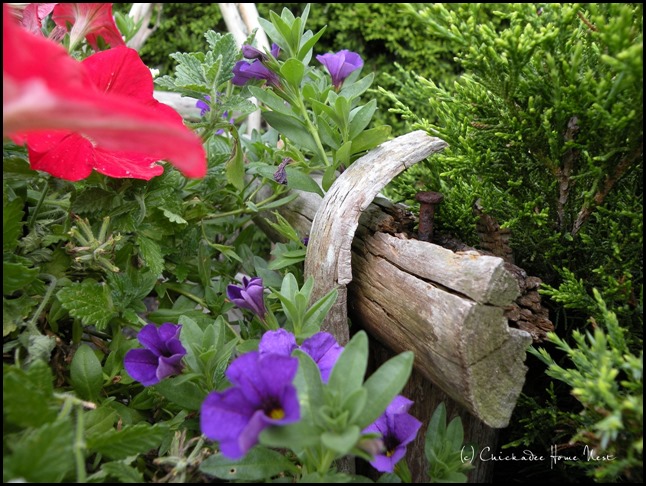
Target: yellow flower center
[[276, 413]]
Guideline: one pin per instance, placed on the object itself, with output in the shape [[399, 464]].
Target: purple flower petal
[[149, 338], [276, 372], [324, 350], [262, 395], [169, 366], [277, 342], [168, 332], [223, 417], [244, 72], [398, 428], [203, 106], [141, 365], [251, 52], [340, 65], [162, 358], [249, 296]]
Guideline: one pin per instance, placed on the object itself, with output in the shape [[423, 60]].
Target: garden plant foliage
[[149, 333]]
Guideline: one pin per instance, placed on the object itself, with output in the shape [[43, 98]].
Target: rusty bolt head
[[429, 197]]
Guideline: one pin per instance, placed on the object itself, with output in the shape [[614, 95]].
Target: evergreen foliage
[[545, 127]]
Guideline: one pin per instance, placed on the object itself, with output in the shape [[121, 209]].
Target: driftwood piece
[[329, 250], [144, 12], [449, 309], [184, 105]]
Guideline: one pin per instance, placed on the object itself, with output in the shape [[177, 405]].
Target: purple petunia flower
[[397, 428], [244, 72], [262, 395], [321, 347], [162, 356], [251, 52], [249, 296], [203, 106], [340, 65], [280, 175]]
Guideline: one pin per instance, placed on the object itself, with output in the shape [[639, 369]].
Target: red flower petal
[[89, 20], [52, 152], [45, 89]]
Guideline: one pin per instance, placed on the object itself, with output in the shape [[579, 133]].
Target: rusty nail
[[428, 200]]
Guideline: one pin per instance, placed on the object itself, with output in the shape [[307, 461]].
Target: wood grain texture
[[329, 252]]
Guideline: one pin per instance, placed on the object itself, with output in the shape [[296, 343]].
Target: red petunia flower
[[31, 15], [99, 114], [90, 21]]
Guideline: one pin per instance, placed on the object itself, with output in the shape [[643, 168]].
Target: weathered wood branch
[[144, 12], [329, 250], [241, 20]]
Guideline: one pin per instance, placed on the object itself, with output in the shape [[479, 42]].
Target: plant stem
[[32, 216], [31, 325], [235, 212], [312, 130], [79, 446], [186, 293]]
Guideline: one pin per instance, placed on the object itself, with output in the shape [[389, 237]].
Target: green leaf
[[100, 420], [15, 312], [89, 301], [151, 254], [360, 118], [282, 27], [350, 368], [316, 313], [343, 442], [191, 337], [184, 393], [353, 90], [328, 177], [293, 71], [329, 136], [271, 99], [309, 385], [355, 404], [342, 156], [173, 218], [370, 139], [204, 263], [384, 384], [454, 435], [130, 440], [307, 45], [234, 168], [258, 464], [294, 436], [129, 288], [435, 432], [273, 33], [43, 455], [292, 128], [40, 346], [27, 395], [16, 276], [301, 181], [86, 373], [122, 471], [12, 223]]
